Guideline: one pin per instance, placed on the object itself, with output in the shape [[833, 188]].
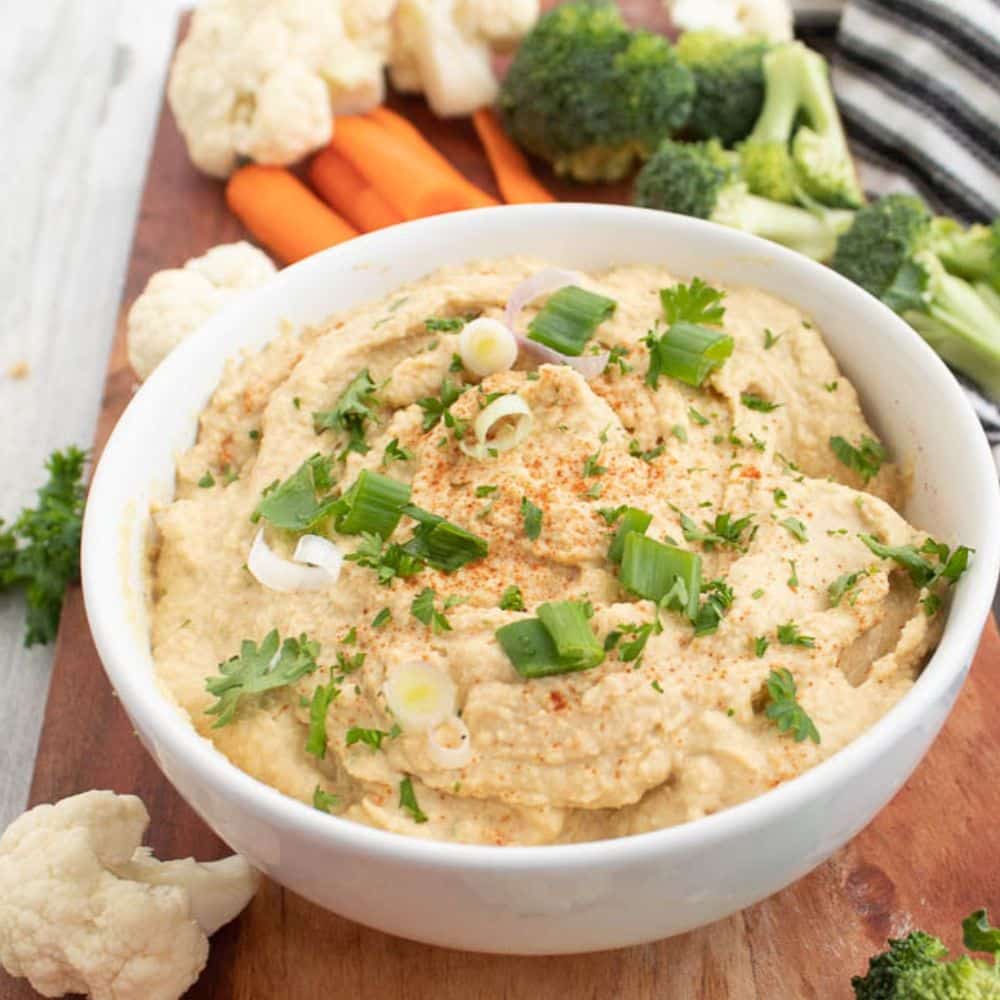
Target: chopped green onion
[[568, 320], [373, 504], [569, 625], [441, 544], [559, 641], [632, 519], [687, 352], [322, 698], [658, 572]]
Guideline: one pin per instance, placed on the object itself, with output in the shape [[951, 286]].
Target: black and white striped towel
[[918, 83]]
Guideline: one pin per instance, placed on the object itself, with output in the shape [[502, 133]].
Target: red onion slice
[[546, 281], [286, 576]]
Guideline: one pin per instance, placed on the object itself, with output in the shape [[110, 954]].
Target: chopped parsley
[[725, 530], [351, 413], [592, 466], [207, 481], [784, 709], [323, 800], [694, 303], [679, 432], [617, 357], [945, 564], [511, 599], [322, 698], [789, 635], [770, 339], [831, 386], [422, 608], [647, 455], [612, 514], [793, 579], [655, 685], [388, 560], [758, 594], [395, 452], [257, 669], [438, 408], [700, 419], [845, 585], [408, 801], [444, 324], [760, 645], [718, 601], [780, 496], [370, 737], [754, 402], [486, 491], [795, 528], [303, 500], [532, 517], [349, 664], [866, 459], [382, 618]]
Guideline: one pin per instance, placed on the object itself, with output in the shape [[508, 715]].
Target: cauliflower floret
[[85, 909], [443, 48], [177, 301], [264, 78], [771, 19]]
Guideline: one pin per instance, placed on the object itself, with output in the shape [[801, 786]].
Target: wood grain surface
[[927, 860]]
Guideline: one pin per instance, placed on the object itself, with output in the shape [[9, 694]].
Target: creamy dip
[[641, 741]]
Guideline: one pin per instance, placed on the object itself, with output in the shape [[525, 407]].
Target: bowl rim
[[105, 600]]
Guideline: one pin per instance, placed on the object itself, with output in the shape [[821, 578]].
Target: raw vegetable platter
[[925, 861]]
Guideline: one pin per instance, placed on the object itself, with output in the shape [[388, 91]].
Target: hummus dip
[[808, 638]]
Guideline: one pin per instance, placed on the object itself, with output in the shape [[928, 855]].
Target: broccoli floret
[[768, 169], [889, 251], [797, 88], [973, 253], [702, 179], [914, 952], [591, 96], [729, 83], [914, 968]]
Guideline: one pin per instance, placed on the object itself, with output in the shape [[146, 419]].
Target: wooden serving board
[[927, 860]]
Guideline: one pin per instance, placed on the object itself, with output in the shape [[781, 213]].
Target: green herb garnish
[[303, 500], [866, 459], [560, 640], [511, 599], [568, 320], [532, 517], [370, 737], [353, 410], [795, 528], [322, 698], [784, 710], [754, 402], [422, 608], [789, 635], [408, 801]]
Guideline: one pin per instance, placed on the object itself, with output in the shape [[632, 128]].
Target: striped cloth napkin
[[918, 83]]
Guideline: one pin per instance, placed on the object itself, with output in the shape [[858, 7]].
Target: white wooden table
[[80, 86]]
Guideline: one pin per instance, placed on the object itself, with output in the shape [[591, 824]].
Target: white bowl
[[579, 897]]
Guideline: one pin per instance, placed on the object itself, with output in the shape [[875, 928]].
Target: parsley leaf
[[302, 500], [725, 530], [844, 585], [438, 407], [617, 357], [789, 635], [444, 324], [395, 452], [592, 466], [532, 517], [408, 801], [754, 402], [865, 459], [783, 707], [370, 737], [388, 561], [760, 645], [795, 528], [697, 417], [351, 412], [923, 572], [323, 800], [322, 698], [40, 551], [207, 481], [256, 669], [382, 618], [694, 303], [780, 496], [649, 455], [511, 599], [718, 601], [422, 608], [770, 339]]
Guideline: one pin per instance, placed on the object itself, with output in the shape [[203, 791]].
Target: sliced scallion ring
[[419, 695], [449, 743], [511, 416], [487, 346], [290, 575], [374, 504], [661, 573]]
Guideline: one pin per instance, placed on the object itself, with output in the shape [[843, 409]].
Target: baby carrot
[[410, 184], [514, 177], [283, 214], [349, 193], [405, 130]]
